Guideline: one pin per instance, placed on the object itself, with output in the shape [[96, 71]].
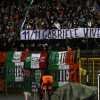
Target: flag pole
[[26, 15]]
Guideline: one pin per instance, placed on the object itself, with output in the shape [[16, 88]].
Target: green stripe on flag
[[27, 63], [10, 68], [58, 68], [53, 60]]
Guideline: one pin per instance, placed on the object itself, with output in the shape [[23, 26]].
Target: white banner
[[60, 33]]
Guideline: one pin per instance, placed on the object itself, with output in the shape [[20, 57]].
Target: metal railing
[[98, 86]]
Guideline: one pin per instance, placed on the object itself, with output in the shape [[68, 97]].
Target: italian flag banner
[[33, 61], [14, 66], [17, 60], [57, 64], [36, 60]]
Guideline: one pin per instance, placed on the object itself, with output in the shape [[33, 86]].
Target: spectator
[[44, 15]]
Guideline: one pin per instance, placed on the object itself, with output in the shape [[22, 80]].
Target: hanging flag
[[18, 66], [57, 63], [14, 66], [36, 60]]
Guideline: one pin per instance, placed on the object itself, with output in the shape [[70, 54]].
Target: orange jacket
[[47, 79]]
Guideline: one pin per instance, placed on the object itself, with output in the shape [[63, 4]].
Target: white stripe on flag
[[18, 71], [17, 56], [64, 75], [62, 57], [60, 75], [35, 60]]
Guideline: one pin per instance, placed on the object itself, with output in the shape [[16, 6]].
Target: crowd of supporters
[[42, 14]]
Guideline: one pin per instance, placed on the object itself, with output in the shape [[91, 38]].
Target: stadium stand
[[43, 15]]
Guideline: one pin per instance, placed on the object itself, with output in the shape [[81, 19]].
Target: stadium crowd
[[42, 15]]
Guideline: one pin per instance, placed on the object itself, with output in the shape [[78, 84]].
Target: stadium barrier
[[98, 86], [91, 65]]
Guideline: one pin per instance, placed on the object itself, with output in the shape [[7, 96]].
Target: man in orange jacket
[[46, 83]]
